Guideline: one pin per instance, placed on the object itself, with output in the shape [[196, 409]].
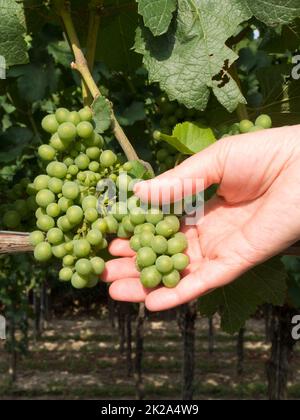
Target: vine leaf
[[12, 32], [266, 283], [274, 12], [189, 138], [192, 57], [157, 14], [102, 114]]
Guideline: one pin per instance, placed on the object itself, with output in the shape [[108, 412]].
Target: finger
[[128, 290], [192, 176], [210, 275], [118, 269], [120, 248]]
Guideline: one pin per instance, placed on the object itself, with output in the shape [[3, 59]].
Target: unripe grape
[[68, 260], [57, 169], [82, 161], [123, 182], [59, 251], [164, 264], [98, 265], [180, 261], [108, 158], [146, 257], [79, 282], [89, 202], [127, 224], [146, 238], [41, 182], [62, 115], [174, 222], [159, 244], [164, 229], [84, 129], [137, 216], [36, 237], [65, 274], [171, 279], [58, 144], [154, 216], [44, 198], [91, 215], [67, 131], [11, 219], [94, 237], [55, 185], [83, 267], [245, 126], [46, 152], [122, 233], [64, 224], [73, 170], [101, 225], [162, 155], [64, 203], [45, 223], [68, 161], [70, 190], [55, 236], [175, 246], [74, 118], [93, 153], [119, 210], [82, 248], [264, 121], [128, 166], [94, 166], [42, 252], [69, 246], [85, 114], [75, 215], [148, 227], [93, 280], [150, 277], [50, 124], [135, 243]]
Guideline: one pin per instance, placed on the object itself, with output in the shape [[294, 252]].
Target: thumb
[[190, 177]]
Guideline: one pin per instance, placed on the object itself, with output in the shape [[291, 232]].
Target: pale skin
[[254, 216]]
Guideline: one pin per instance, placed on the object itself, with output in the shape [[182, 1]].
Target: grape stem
[[81, 65]]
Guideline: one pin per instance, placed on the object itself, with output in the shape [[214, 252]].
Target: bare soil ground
[[80, 359]]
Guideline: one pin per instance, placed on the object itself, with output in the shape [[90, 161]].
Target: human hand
[[254, 215]]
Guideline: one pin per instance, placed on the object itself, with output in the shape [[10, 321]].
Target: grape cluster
[[263, 122], [159, 246]]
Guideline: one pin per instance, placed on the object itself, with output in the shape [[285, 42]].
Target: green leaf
[[192, 57], [157, 14], [12, 32], [13, 142], [274, 12], [133, 113], [27, 74], [102, 114], [140, 170], [239, 300], [189, 138]]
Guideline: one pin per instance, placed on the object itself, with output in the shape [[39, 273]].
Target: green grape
[[82, 161], [164, 264], [41, 182], [70, 190], [89, 202], [113, 177], [68, 260], [79, 282], [46, 152], [245, 126], [85, 129], [94, 166], [36, 237], [55, 236], [44, 198], [171, 279], [135, 243], [162, 155], [103, 245], [174, 222], [67, 131], [133, 203], [127, 224], [94, 237], [69, 246], [45, 223], [137, 216], [92, 281], [163, 228], [181, 236], [74, 118], [85, 114], [154, 216], [180, 261], [62, 115], [40, 212], [119, 210], [31, 203], [21, 207], [68, 161], [93, 153], [75, 215], [98, 265], [50, 124], [91, 215], [100, 225], [264, 121], [73, 170], [65, 274], [146, 238], [64, 224], [176, 246], [127, 166], [145, 257], [255, 129], [59, 251], [55, 185], [57, 170], [122, 233], [123, 182], [83, 267], [159, 244], [11, 219], [82, 248], [43, 252], [31, 189], [108, 158], [64, 204], [58, 144], [150, 277]]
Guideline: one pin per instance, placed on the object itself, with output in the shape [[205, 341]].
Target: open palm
[[255, 215]]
